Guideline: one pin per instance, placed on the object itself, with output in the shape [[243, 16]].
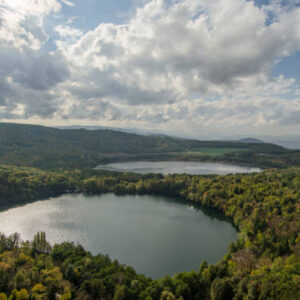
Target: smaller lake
[[156, 235], [179, 167]]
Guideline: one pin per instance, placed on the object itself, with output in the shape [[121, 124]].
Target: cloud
[[186, 63], [66, 31], [42, 72], [28, 80], [191, 46], [22, 22], [68, 3]]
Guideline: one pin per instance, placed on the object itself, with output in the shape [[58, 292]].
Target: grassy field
[[214, 151]]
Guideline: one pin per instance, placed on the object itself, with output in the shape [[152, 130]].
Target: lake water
[[156, 235], [170, 167]]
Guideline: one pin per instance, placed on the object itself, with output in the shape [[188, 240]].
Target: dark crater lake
[[156, 235], [172, 167]]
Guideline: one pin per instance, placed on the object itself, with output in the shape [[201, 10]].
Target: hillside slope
[[263, 263], [44, 147]]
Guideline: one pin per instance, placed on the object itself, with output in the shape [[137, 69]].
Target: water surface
[[170, 167], [156, 235]]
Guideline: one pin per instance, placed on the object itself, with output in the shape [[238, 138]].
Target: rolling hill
[[45, 147]]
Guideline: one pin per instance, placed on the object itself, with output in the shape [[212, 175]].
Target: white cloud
[[68, 3], [67, 32], [187, 64], [193, 46], [22, 22]]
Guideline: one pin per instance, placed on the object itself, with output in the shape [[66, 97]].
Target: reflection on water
[[172, 167], [156, 235]]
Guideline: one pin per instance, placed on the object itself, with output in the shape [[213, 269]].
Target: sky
[[195, 68]]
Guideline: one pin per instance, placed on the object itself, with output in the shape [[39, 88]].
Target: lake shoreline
[[113, 224], [177, 167]]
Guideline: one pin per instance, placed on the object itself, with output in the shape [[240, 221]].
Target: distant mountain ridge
[[126, 130], [48, 147], [250, 141]]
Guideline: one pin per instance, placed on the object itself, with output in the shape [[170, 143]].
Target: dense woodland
[[264, 262], [51, 148]]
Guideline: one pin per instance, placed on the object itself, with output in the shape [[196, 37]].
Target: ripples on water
[[157, 236], [170, 167]]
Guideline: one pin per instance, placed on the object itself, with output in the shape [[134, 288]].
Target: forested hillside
[[264, 263], [51, 148]]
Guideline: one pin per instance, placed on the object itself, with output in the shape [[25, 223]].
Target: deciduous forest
[[263, 263]]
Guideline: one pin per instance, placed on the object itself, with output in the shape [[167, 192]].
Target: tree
[[120, 292], [19, 295], [40, 244], [221, 289], [166, 295]]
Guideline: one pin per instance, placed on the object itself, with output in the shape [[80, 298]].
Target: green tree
[[221, 289], [120, 292], [40, 244], [19, 295]]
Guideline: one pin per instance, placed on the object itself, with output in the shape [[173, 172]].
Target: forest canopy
[[52, 148], [264, 262]]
